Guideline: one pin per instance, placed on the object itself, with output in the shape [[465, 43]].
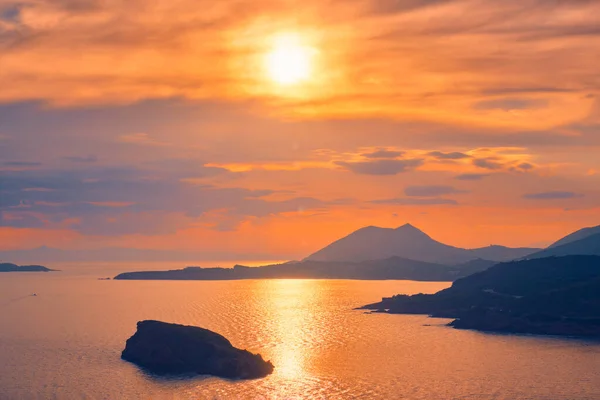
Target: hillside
[[575, 236], [556, 295], [589, 245]]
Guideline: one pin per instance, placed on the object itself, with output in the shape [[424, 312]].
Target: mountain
[[555, 296], [391, 268], [501, 253], [373, 243], [589, 245], [578, 235], [478, 264]]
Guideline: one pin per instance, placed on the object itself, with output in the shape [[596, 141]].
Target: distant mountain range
[[406, 241], [365, 254], [368, 253]]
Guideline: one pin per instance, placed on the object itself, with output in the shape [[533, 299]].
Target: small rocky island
[[170, 349], [546, 296], [9, 267]]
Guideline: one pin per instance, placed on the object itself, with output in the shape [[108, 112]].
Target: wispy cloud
[[462, 56], [431, 191], [470, 177], [381, 167], [416, 202], [384, 154], [22, 164], [170, 132], [555, 195], [82, 160], [142, 139], [491, 163], [455, 155], [511, 104]]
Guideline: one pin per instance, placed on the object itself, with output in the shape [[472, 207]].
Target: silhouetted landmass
[[476, 265], [500, 253], [170, 349], [577, 235], [391, 268], [8, 267], [374, 243], [551, 296], [587, 245]]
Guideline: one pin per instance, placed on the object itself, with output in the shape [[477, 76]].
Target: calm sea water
[[65, 343]]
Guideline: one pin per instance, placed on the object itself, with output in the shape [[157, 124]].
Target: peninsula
[[547, 296]]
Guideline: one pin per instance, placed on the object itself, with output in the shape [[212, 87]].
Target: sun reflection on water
[[292, 321]]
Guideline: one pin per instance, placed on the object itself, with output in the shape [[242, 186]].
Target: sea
[[65, 342]]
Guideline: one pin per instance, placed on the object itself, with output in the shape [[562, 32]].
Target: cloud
[[376, 162], [261, 208], [525, 90], [397, 7], [111, 204], [81, 160], [431, 191], [22, 164], [468, 88], [381, 167], [470, 177], [416, 202], [448, 156], [142, 139], [524, 167], [10, 13], [488, 163], [384, 154], [105, 201], [555, 195], [510, 104], [452, 47]]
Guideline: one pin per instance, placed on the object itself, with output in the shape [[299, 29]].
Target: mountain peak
[[407, 226], [409, 242], [409, 229]]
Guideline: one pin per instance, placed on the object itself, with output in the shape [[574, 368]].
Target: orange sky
[[158, 125]]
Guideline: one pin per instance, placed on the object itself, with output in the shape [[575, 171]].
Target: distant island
[[8, 267], [391, 268], [545, 296]]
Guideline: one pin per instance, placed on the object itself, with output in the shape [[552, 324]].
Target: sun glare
[[290, 61]]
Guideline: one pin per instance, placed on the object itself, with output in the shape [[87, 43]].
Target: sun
[[289, 62]]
